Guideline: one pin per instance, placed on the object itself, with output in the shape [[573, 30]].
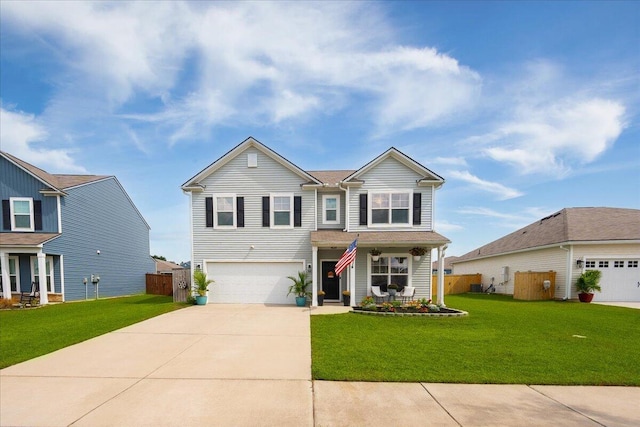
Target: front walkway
[[250, 365]]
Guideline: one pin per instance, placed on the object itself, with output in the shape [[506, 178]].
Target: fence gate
[[181, 285]]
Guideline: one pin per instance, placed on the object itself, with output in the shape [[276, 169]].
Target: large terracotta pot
[[585, 297]]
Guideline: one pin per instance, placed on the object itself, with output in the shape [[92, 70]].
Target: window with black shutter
[[417, 205], [37, 214], [209, 211], [240, 211], [363, 209], [265, 211], [297, 211]]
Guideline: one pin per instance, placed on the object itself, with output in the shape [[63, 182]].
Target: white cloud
[[24, 137], [260, 63], [503, 192], [551, 138], [446, 226], [505, 219]]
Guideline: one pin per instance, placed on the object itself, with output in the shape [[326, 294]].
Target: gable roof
[[428, 175], [54, 182], [331, 178], [162, 265], [570, 225], [193, 183], [447, 263]]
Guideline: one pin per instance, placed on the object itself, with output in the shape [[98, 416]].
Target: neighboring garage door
[[620, 279], [252, 282]]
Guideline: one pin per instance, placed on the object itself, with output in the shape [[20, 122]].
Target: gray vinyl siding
[[339, 226], [100, 216], [15, 182], [390, 174], [252, 183]]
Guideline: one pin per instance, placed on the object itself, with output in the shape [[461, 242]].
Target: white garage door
[[252, 282], [620, 279]]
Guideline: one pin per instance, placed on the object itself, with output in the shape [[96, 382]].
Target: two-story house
[[257, 218], [63, 229]]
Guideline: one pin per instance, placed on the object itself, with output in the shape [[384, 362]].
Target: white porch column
[[314, 277], [352, 283], [6, 279], [440, 289], [42, 278]]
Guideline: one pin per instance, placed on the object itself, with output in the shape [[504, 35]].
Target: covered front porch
[[395, 264], [23, 262]]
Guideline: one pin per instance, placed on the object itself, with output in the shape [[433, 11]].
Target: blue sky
[[523, 107]]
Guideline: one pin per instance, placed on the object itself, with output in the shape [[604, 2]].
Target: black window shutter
[[265, 211], [417, 211], [363, 209], [240, 211], [297, 211], [37, 214], [6, 215], [209, 210]]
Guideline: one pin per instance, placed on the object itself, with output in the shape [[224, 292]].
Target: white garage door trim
[[240, 281], [618, 283]]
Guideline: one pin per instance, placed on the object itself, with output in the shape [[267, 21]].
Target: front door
[[330, 280]]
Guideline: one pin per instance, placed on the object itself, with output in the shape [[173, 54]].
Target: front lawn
[[28, 333], [502, 341]]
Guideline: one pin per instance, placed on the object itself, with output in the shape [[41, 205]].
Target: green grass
[[28, 333], [502, 341]]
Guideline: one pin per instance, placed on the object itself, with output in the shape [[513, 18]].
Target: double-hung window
[[282, 210], [331, 209], [21, 214], [390, 269], [14, 273], [390, 208], [35, 273], [224, 206]]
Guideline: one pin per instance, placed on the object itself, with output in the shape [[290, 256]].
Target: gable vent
[[252, 160]]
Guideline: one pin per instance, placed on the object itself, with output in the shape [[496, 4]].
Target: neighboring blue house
[[61, 229]]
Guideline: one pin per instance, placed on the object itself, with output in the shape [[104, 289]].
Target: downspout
[[569, 268]]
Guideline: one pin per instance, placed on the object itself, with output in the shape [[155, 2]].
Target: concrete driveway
[[231, 365], [250, 365]]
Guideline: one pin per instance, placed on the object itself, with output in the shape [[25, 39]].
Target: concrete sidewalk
[[250, 365]]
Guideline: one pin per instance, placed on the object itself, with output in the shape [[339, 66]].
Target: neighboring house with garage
[[257, 218], [60, 229], [568, 242]]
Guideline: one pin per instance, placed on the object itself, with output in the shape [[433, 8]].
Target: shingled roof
[[56, 182], [566, 226]]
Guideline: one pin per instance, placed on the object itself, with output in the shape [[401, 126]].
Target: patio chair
[[407, 293], [30, 297], [378, 294]]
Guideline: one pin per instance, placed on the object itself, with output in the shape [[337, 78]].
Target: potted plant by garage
[[346, 298], [299, 287], [201, 286], [375, 254], [588, 282], [320, 298], [417, 252]]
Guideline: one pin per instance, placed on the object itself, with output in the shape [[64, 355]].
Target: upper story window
[[21, 214], [225, 210], [282, 210], [393, 208], [331, 209]]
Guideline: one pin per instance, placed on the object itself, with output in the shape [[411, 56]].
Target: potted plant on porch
[[375, 254], [201, 286], [588, 282], [299, 287], [346, 298], [321, 298], [417, 252], [392, 289]]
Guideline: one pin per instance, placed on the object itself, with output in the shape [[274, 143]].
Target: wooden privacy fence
[[181, 285], [455, 283], [529, 285], [159, 284]]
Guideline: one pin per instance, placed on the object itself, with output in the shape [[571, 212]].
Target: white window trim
[[391, 255], [370, 195], [272, 196], [324, 208], [13, 218], [215, 211], [16, 263], [47, 260]]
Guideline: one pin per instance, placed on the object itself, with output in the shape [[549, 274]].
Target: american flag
[[347, 257]]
